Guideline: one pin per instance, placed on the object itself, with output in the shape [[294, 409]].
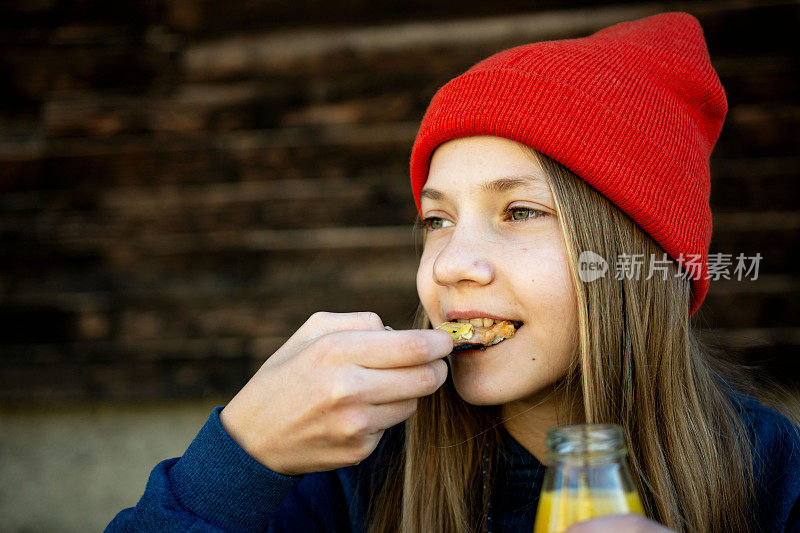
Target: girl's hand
[[628, 523], [323, 400]]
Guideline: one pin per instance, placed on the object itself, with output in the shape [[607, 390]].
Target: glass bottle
[[587, 476]]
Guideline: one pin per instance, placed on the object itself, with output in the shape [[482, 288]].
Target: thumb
[[626, 523]]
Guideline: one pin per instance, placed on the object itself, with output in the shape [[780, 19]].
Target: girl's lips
[[452, 316]]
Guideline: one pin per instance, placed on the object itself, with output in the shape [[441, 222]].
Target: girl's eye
[[523, 213], [434, 223]]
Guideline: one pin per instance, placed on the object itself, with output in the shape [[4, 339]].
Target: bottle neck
[[585, 442]]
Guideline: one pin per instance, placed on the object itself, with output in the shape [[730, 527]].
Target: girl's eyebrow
[[512, 182], [499, 185]]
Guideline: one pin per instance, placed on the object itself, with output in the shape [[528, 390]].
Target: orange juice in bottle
[[586, 477]]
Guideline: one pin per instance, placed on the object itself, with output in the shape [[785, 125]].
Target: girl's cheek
[[424, 281]]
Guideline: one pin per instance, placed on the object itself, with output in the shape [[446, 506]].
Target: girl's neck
[[528, 420]]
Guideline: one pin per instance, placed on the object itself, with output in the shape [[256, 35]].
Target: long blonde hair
[[639, 364]]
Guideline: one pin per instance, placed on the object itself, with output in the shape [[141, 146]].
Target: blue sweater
[[215, 486]]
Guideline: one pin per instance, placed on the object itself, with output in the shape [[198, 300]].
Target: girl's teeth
[[479, 322]]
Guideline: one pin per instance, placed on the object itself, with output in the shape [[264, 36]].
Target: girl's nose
[[462, 260]]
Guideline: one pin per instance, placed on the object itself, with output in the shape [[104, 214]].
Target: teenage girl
[[536, 162]]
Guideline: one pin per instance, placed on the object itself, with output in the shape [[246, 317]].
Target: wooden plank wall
[[185, 181]]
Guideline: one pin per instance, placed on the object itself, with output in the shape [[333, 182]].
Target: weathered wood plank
[[180, 331], [352, 99], [744, 309], [208, 20], [254, 155], [758, 131], [230, 58]]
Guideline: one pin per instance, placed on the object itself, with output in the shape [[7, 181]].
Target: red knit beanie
[[634, 110]]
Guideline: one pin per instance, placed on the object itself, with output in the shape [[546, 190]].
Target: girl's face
[[494, 249]]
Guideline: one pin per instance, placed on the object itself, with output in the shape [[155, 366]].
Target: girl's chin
[[479, 399], [476, 391]]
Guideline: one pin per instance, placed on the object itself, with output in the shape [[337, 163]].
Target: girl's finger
[[322, 323], [391, 349], [628, 523], [387, 415], [389, 385]]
